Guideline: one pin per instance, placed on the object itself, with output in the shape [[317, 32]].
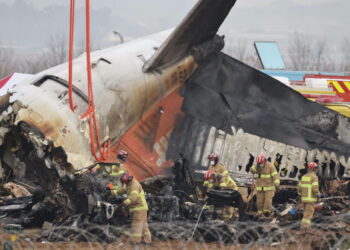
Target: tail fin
[[200, 24]]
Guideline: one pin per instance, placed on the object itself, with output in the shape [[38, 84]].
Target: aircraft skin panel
[[200, 25], [148, 140]]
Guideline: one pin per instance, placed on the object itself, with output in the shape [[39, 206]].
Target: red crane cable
[[90, 113], [93, 124], [70, 59]]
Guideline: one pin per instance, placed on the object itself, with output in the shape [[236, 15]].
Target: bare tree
[[300, 52], [320, 51], [6, 61], [55, 52], [237, 49], [80, 47], [32, 65], [240, 49], [252, 60], [345, 50]]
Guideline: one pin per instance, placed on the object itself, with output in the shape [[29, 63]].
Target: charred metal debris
[[39, 188]]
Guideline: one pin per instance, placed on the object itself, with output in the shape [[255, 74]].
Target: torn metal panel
[[197, 140], [248, 113]]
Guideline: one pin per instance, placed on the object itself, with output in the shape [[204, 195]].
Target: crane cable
[[102, 151], [70, 56]]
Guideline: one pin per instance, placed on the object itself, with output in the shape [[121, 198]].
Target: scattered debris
[[173, 215], [16, 190]]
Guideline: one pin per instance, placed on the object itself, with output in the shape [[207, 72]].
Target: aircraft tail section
[[200, 25]]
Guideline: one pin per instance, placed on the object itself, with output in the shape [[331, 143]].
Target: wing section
[[201, 24]]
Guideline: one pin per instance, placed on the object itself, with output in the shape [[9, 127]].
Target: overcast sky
[[27, 24]]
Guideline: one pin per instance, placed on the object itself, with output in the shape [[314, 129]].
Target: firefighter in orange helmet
[[117, 170], [266, 182], [216, 166], [137, 204], [114, 171], [209, 180], [309, 191], [212, 181]]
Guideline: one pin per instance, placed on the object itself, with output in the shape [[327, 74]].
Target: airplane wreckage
[[169, 94]]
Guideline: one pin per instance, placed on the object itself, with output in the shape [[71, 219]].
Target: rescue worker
[[266, 182], [229, 184], [212, 181], [117, 169], [209, 180], [114, 171], [137, 204], [215, 166], [309, 192]]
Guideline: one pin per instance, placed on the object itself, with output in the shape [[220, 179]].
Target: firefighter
[[137, 204], [115, 171], [118, 169], [209, 180], [215, 166], [266, 182], [229, 184], [309, 192], [212, 181]]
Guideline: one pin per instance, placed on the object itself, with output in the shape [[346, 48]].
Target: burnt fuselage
[[123, 94]]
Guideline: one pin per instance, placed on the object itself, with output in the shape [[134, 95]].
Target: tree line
[[304, 53], [54, 53]]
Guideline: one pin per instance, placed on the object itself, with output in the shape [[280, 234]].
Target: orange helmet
[[312, 165], [208, 175], [122, 155], [260, 159], [126, 178], [213, 157]]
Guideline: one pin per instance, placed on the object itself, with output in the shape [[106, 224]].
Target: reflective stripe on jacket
[[267, 177], [228, 183], [208, 184], [136, 200], [117, 189], [117, 170], [308, 187], [219, 169]]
